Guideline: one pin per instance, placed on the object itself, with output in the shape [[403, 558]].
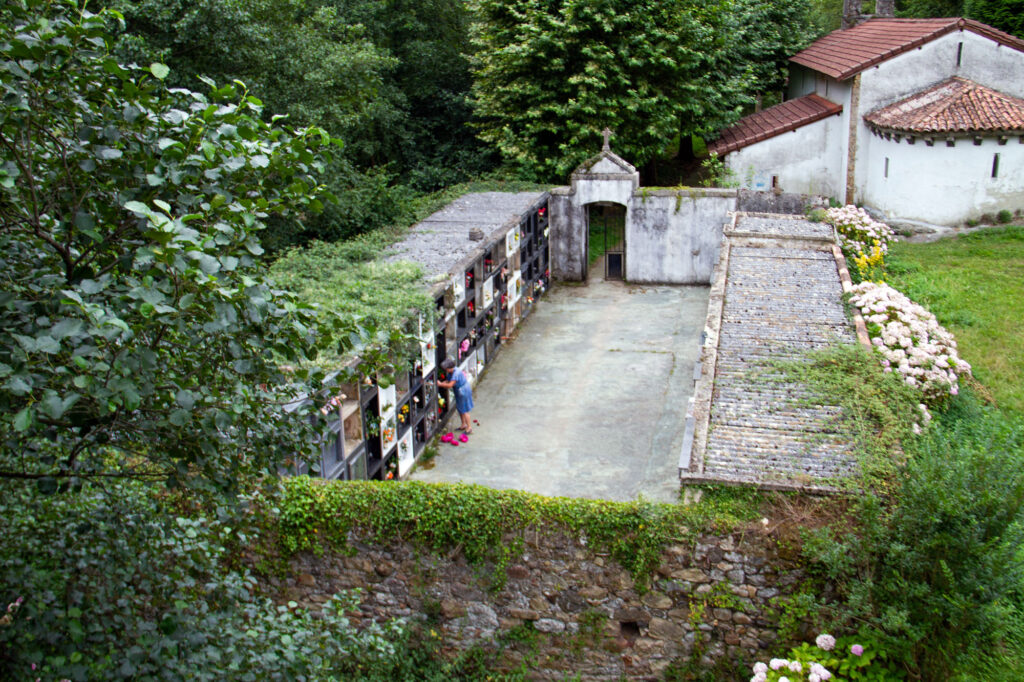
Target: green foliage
[[129, 220], [390, 78], [825, 16], [149, 598], [936, 567], [767, 34], [486, 524], [1006, 15], [878, 409], [350, 279], [551, 76], [1004, 216], [972, 285], [716, 173]]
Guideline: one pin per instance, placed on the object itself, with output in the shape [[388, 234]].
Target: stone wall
[[709, 598]]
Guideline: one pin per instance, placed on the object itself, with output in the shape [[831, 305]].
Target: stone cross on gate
[[607, 133]]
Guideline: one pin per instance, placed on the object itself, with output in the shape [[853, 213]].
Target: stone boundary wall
[[709, 598]]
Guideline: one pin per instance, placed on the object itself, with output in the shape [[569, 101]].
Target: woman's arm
[[446, 384]]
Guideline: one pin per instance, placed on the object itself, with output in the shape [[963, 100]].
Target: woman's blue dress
[[463, 391]]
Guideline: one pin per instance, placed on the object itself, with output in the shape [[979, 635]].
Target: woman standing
[[463, 392]]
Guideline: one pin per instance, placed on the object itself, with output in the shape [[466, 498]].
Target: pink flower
[[464, 438], [825, 642], [856, 650]]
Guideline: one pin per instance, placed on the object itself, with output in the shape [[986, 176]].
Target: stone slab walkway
[[776, 296]]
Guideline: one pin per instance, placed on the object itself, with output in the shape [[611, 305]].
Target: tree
[[1006, 15], [767, 35], [551, 75], [138, 336]]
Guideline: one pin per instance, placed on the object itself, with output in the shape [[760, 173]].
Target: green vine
[[488, 526]]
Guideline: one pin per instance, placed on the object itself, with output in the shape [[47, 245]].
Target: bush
[[911, 341], [936, 567], [116, 586], [864, 241], [1004, 216]]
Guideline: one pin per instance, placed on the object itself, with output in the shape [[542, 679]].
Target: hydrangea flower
[[860, 235], [825, 642], [778, 663], [760, 667], [856, 650], [818, 670], [911, 341]]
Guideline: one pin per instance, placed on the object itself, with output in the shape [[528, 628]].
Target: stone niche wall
[[591, 619]]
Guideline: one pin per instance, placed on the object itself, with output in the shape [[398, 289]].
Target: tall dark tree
[[551, 75], [1006, 15]]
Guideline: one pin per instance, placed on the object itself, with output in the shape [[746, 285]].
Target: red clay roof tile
[[956, 105], [845, 53], [773, 121]]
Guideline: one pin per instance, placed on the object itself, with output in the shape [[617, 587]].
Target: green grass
[[974, 284], [596, 240]]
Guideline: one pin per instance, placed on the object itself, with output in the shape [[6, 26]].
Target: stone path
[[777, 295]]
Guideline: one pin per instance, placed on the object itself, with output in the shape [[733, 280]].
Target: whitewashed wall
[[940, 184], [805, 160], [673, 236]]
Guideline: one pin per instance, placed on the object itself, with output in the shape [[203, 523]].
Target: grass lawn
[[974, 284]]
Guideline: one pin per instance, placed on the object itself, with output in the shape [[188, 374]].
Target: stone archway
[[603, 179]]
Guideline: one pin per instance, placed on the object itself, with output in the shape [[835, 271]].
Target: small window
[[995, 165], [887, 166], [775, 181], [959, 53]]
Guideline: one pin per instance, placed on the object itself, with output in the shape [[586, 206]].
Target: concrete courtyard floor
[[589, 400]]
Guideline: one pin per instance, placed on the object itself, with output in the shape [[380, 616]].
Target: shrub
[[1004, 216], [864, 240], [935, 567], [859, 233], [848, 658], [115, 586], [911, 341]]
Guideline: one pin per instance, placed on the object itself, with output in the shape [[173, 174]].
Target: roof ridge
[[845, 53]]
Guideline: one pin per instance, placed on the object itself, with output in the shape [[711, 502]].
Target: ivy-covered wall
[[550, 593]]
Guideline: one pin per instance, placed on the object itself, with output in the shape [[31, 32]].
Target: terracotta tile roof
[[956, 105], [845, 53], [774, 121]]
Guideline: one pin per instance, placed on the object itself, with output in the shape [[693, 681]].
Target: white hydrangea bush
[[859, 233], [911, 341]]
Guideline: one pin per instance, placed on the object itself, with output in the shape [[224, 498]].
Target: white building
[[921, 119]]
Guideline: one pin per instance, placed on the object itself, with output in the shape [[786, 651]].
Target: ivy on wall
[[488, 525]]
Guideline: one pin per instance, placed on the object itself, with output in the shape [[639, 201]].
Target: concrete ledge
[[700, 479], [844, 277], [704, 388], [695, 192]]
